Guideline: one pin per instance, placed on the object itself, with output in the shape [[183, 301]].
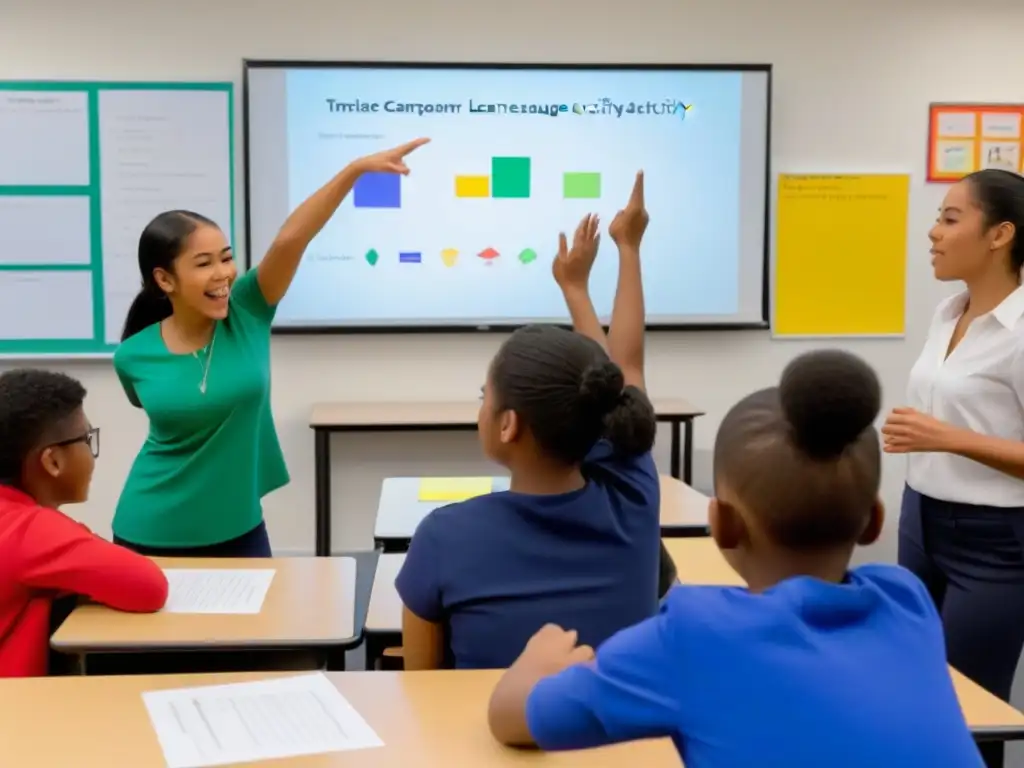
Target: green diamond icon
[[527, 255], [372, 257]]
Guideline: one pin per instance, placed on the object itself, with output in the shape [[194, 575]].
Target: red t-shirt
[[44, 554]]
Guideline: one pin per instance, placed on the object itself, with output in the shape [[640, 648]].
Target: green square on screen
[[510, 177]]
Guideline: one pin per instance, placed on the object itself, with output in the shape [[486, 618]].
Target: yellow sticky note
[[454, 488]]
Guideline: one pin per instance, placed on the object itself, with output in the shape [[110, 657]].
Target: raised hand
[[628, 227], [571, 268], [390, 160]]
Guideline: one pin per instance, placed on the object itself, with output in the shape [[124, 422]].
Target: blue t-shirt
[[806, 675], [496, 568]]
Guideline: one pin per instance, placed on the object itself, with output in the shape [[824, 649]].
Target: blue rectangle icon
[[378, 190], [410, 257]]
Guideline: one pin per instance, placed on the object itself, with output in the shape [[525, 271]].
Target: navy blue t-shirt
[[806, 675], [496, 568]]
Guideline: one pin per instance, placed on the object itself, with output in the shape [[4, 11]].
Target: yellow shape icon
[[472, 186], [449, 256]]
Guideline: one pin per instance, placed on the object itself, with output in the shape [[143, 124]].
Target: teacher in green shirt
[[195, 356]]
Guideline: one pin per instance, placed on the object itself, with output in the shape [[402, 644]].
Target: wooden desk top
[[984, 712], [357, 415], [681, 505], [425, 719], [399, 510], [311, 602], [384, 613], [700, 562]]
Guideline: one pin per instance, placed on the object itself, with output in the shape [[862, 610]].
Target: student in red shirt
[[48, 451]]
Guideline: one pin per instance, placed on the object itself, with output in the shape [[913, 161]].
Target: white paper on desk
[[249, 722], [216, 590]]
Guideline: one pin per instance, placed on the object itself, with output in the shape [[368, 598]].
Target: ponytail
[[149, 307], [631, 425]]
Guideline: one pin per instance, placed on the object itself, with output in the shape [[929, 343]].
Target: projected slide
[[517, 156]]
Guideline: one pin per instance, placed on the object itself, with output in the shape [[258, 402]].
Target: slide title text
[[668, 107]]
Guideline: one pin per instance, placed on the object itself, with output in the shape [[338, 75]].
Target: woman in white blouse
[[962, 522]]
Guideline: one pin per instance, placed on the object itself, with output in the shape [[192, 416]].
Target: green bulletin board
[[83, 167]]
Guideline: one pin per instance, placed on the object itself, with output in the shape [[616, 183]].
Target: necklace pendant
[[202, 387]]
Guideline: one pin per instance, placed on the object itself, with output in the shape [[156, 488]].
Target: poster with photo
[[963, 138]]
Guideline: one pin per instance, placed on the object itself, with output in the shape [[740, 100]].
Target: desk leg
[[673, 465], [688, 453], [335, 661], [322, 464]]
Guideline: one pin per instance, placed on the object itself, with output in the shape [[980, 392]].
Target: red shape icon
[[488, 254]]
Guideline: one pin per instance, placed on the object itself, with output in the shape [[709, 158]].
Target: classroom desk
[[698, 562], [684, 511], [383, 627], [310, 605], [385, 611], [326, 418], [425, 719], [102, 721]]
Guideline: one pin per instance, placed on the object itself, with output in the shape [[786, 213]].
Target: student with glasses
[[91, 437], [48, 451]]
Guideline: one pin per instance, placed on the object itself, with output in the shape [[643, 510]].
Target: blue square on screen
[[378, 190]]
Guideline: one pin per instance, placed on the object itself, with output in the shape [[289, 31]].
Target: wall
[[852, 85]]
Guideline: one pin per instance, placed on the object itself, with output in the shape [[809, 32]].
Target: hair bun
[[829, 398], [601, 386]]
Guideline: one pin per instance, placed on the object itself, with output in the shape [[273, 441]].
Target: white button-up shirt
[[980, 386]]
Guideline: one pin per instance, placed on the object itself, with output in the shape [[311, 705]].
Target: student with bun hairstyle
[[962, 523], [814, 663], [576, 538], [195, 356]]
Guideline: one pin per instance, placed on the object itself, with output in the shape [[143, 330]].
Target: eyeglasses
[[90, 438]]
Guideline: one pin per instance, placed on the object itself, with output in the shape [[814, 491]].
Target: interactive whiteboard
[[518, 154], [83, 167]]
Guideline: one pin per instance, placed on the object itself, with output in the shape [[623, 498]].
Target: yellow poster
[[841, 255]]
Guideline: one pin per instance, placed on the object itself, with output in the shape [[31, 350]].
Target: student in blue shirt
[[814, 664], [576, 538]]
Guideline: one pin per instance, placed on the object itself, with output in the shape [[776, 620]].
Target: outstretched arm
[[277, 269], [626, 334], [572, 273]]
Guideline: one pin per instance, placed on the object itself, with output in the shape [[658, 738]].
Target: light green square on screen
[[581, 186]]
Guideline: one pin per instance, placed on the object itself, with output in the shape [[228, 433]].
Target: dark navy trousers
[[255, 543], [971, 560]]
